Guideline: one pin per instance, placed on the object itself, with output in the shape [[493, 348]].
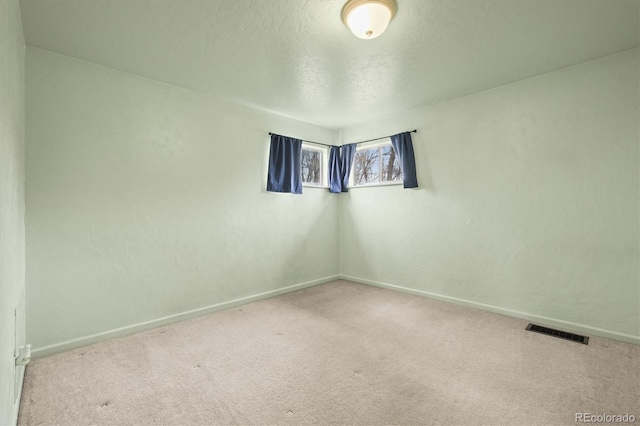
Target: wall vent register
[[557, 333]]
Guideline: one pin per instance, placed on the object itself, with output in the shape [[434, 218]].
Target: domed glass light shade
[[368, 19]]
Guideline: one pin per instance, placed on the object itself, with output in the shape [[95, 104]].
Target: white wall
[[145, 200], [12, 265], [528, 201]]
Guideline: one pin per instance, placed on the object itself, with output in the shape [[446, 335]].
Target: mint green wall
[[528, 202], [145, 200], [11, 205]]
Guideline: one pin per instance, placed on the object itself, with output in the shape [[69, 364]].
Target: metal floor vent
[[557, 333]]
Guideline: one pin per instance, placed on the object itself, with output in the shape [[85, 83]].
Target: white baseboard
[[135, 328], [16, 405], [551, 322]]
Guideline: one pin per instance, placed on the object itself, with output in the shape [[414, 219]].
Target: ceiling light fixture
[[368, 18]]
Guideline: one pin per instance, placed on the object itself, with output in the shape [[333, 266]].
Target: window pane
[[311, 161], [366, 167], [390, 165]]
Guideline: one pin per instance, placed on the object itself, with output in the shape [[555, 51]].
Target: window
[[313, 166], [376, 165]]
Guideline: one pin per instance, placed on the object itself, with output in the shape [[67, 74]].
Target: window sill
[[315, 186], [371, 185]]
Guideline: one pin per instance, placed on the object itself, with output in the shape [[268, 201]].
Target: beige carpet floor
[[339, 353]]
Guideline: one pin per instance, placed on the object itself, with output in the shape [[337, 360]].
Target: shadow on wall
[[423, 168], [350, 243], [309, 236]]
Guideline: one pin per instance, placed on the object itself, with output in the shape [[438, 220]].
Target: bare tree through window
[[311, 163], [367, 166], [376, 165], [391, 169]]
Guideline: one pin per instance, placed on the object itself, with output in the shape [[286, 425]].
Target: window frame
[[324, 164], [365, 147]]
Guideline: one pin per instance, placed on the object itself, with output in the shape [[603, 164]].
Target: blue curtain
[[285, 174], [335, 174], [404, 150], [346, 161]]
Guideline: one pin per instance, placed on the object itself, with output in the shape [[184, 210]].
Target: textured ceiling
[[296, 57]]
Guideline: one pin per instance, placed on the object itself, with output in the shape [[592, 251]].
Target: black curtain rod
[[357, 143], [317, 143], [385, 137]]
